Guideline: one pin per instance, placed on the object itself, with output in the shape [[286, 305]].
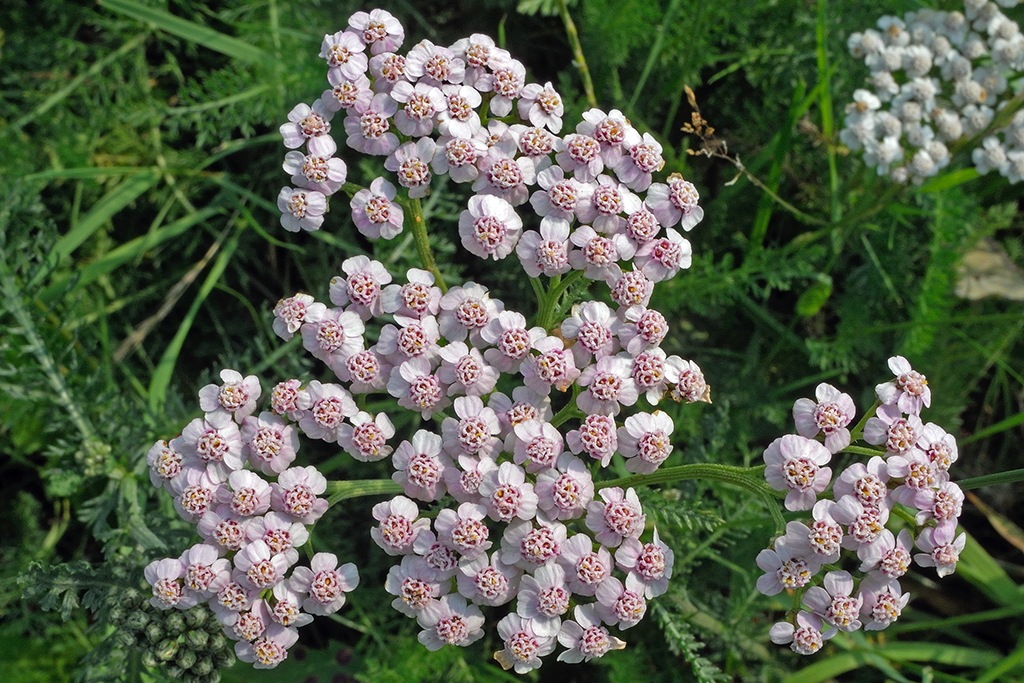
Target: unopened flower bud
[[186, 659], [136, 621], [167, 649], [174, 671], [197, 639], [132, 596], [149, 659], [196, 616], [225, 659], [154, 633], [203, 666], [218, 642], [125, 639], [175, 624], [117, 614]]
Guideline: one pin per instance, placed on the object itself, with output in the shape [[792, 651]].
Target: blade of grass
[[161, 379], [949, 180], [939, 653], [101, 212], [654, 54], [197, 33], [981, 569], [997, 672], [121, 255]]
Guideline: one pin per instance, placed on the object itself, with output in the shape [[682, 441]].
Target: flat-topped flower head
[[296, 491], [281, 533], [786, 568], [460, 119], [417, 388], [909, 391], [675, 203], [565, 491], [375, 212], [524, 646], [597, 437], [889, 427], [940, 549], [434, 65], [594, 327], [223, 528], [474, 432], [312, 172], [213, 444], [165, 463], [531, 546], [544, 598], [325, 583], [661, 258], [365, 437], [834, 601], [379, 30], [465, 311], [487, 580], [411, 163], [450, 621], [422, 104], [622, 604], [489, 227], [830, 415], [399, 525], [882, 602], [259, 567], [806, 637], [324, 406], [795, 464], [585, 638], [536, 444], [310, 125], [270, 649], [301, 209], [369, 126], [651, 563], [414, 585], [333, 336], [463, 530], [248, 494], [585, 569], [617, 518], [347, 94], [542, 106], [646, 441], [343, 52], [290, 313], [165, 576], [421, 466], [360, 289]]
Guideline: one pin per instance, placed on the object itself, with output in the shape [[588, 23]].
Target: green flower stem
[[414, 216], [1008, 477], [857, 433], [904, 514], [343, 490], [749, 478], [558, 287], [863, 451], [577, 52]]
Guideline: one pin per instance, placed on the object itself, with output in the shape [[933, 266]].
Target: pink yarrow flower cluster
[[912, 471], [231, 472], [528, 526]]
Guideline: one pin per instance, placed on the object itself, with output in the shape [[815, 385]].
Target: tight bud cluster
[[251, 527], [188, 645], [910, 478], [943, 76]]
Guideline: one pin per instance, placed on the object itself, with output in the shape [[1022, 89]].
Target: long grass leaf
[[88, 173], [105, 209], [123, 254], [161, 379], [939, 653], [949, 180], [197, 33], [981, 569]]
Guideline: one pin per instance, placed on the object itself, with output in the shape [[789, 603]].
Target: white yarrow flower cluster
[[912, 471], [937, 78]]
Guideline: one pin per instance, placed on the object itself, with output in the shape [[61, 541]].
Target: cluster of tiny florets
[[913, 472], [522, 521], [230, 472], [447, 111], [936, 78]]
